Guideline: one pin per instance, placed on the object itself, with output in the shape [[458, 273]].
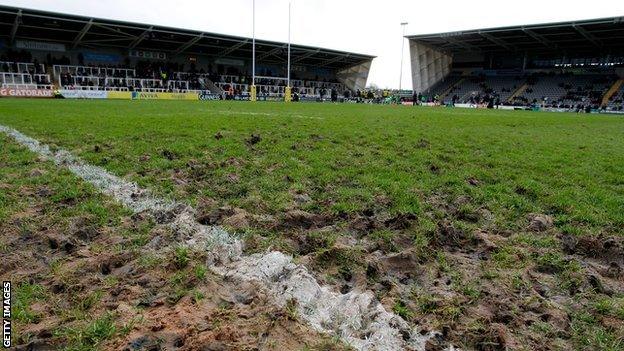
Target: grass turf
[[347, 157], [493, 168], [83, 277]]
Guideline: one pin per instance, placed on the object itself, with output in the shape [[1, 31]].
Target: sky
[[362, 26]]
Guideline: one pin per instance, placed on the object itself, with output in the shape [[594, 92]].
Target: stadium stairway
[[451, 88], [518, 92], [614, 89], [210, 85]]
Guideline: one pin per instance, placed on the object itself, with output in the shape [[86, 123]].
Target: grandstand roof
[[90, 32], [604, 35]]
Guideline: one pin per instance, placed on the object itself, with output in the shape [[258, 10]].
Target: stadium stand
[[567, 90], [24, 75], [106, 55], [562, 90], [569, 65], [616, 101]]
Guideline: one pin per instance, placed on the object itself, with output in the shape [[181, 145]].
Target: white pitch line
[[356, 317], [243, 113], [267, 114]]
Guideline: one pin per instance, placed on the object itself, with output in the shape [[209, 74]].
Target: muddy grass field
[[499, 229]]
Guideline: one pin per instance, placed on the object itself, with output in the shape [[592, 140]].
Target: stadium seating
[[21, 75], [121, 79], [567, 90], [467, 88], [124, 79], [445, 87], [547, 89], [504, 86]]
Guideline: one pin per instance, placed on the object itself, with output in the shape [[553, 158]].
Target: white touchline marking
[[356, 317]]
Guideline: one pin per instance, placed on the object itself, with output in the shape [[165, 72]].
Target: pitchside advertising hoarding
[[209, 97], [84, 94], [164, 96], [134, 95], [100, 94], [130, 95], [26, 93]]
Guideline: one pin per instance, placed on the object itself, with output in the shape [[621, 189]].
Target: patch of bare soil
[[481, 286], [229, 318], [85, 270]]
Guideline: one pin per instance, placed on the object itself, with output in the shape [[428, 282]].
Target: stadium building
[[85, 56], [560, 66]]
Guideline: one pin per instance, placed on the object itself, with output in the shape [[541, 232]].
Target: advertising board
[[28, 93]]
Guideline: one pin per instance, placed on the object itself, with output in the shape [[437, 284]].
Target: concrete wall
[[429, 66], [355, 77]]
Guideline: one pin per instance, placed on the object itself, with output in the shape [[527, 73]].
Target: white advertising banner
[[29, 93], [84, 94]]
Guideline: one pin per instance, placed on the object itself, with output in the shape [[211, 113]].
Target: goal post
[[252, 93], [288, 94]]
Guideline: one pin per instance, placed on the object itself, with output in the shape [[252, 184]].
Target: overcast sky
[[363, 26]]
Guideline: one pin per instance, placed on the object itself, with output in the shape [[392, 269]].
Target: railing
[[137, 83], [187, 75], [93, 71], [24, 78], [111, 81], [229, 79], [16, 78], [85, 80], [178, 84], [26, 86], [42, 78]]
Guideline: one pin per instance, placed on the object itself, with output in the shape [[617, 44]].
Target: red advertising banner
[[30, 93]]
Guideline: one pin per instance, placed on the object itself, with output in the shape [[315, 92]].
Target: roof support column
[[16, 23], [82, 34], [524, 61]]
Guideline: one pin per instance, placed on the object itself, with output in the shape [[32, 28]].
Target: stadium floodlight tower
[[403, 25]]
